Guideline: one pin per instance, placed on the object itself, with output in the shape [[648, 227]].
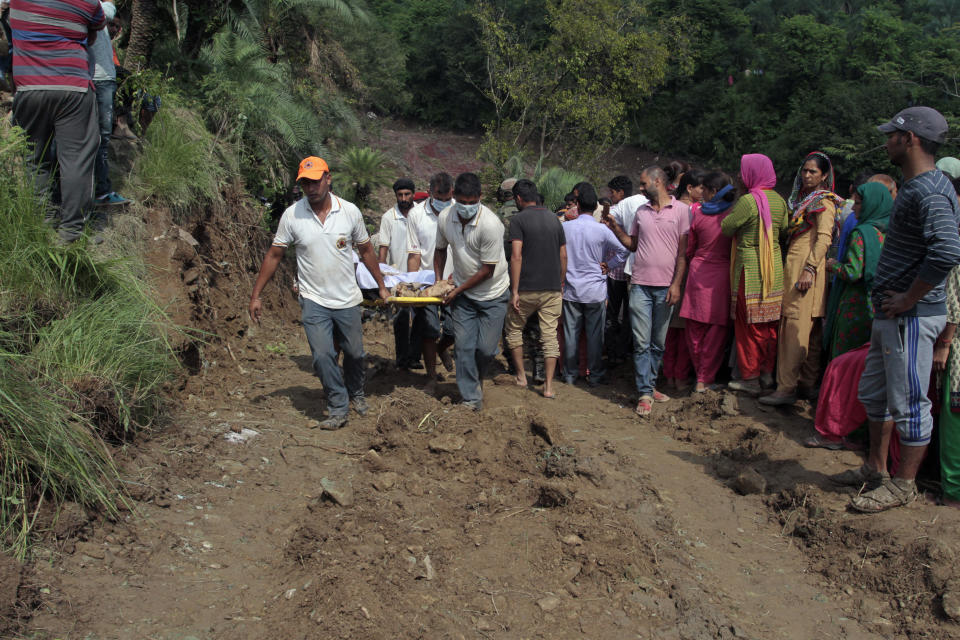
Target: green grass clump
[[179, 166], [83, 352]]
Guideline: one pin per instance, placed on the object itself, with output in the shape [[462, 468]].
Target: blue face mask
[[467, 211], [439, 205]]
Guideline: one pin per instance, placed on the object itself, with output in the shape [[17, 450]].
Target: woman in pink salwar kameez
[[706, 301]]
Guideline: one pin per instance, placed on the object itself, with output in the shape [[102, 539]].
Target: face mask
[[439, 205], [467, 211]]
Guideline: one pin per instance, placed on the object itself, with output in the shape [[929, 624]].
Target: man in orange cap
[[324, 229]]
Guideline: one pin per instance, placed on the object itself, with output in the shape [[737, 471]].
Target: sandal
[[819, 442], [660, 397], [863, 475], [889, 495], [644, 406]]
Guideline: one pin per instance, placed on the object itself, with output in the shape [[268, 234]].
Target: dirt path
[[536, 518]]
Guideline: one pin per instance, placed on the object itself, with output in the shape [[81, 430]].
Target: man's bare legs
[[431, 349], [516, 355], [550, 365], [880, 433]]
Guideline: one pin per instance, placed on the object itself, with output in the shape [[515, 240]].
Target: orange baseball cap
[[312, 168]]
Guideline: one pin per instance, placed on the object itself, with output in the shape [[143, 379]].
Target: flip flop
[[644, 406], [551, 397], [819, 442], [660, 397]]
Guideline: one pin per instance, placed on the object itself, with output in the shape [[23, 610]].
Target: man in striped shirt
[[922, 245], [56, 101]]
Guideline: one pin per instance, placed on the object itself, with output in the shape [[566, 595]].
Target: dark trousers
[[106, 90], [618, 334], [407, 337], [69, 119]]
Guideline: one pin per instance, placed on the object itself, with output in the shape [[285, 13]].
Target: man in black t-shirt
[[538, 262]]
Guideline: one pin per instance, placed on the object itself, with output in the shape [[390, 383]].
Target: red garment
[[706, 344], [756, 343], [676, 357], [839, 411]]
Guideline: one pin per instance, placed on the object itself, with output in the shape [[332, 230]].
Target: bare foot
[[700, 387], [521, 381]]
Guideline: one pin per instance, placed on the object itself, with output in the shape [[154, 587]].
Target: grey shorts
[[896, 377]]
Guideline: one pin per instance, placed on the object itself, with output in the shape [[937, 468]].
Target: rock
[[289, 593], [186, 237], [750, 481], [729, 405], [385, 481], [446, 443], [549, 603], [428, 572], [342, 496], [951, 603], [373, 462], [571, 571], [572, 540], [554, 495], [484, 624], [231, 467], [191, 275], [544, 428], [91, 550], [573, 590]]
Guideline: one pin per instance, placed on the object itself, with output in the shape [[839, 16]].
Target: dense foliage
[[561, 80]]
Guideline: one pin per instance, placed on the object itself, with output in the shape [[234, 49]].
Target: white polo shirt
[[468, 246], [422, 224], [325, 270], [625, 212], [393, 235]]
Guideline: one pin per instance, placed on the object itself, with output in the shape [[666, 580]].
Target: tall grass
[[83, 350], [179, 165]]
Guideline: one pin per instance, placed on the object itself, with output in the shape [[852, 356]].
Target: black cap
[[927, 123], [403, 183]]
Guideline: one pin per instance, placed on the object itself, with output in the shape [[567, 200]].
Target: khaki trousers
[[547, 305], [798, 352]]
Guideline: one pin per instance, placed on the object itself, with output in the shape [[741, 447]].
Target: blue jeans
[[649, 320], [326, 329], [106, 90], [476, 329], [591, 316]]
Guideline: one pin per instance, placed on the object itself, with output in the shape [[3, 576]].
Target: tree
[[569, 90], [143, 32]]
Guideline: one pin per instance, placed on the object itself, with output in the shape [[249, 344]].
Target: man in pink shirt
[[659, 238]]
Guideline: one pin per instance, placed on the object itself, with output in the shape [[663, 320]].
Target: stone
[[428, 573], [341, 495], [571, 571], [373, 461], [729, 405], [951, 603], [385, 481], [572, 540], [446, 443], [749, 481], [191, 275], [231, 467], [550, 603]]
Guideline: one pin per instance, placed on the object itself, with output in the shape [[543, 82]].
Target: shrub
[[358, 172]]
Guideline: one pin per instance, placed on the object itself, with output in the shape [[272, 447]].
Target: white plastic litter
[[240, 438]]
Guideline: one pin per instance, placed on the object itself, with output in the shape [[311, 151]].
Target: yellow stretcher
[[414, 301]]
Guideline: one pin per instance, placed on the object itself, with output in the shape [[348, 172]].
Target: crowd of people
[[693, 274], [63, 70]]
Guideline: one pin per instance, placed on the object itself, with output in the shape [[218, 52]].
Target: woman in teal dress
[[849, 313]]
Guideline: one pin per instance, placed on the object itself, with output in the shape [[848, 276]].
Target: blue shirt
[[588, 243]]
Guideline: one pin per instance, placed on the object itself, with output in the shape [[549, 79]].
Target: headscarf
[[802, 210], [950, 166], [756, 171], [717, 204], [875, 206]]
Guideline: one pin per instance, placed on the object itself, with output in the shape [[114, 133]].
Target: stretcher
[[404, 301]]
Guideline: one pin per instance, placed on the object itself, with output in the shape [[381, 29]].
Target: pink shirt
[[658, 237]]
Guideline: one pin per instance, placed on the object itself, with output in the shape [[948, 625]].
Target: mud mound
[[915, 573], [492, 522]]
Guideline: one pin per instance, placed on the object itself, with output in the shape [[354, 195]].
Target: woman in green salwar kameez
[[849, 313]]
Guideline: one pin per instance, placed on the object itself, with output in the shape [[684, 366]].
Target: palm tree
[[359, 171], [143, 31]]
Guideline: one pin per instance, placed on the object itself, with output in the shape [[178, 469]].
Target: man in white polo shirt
[[422, 224], [392, 247], [324, 229], [473, 235]]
